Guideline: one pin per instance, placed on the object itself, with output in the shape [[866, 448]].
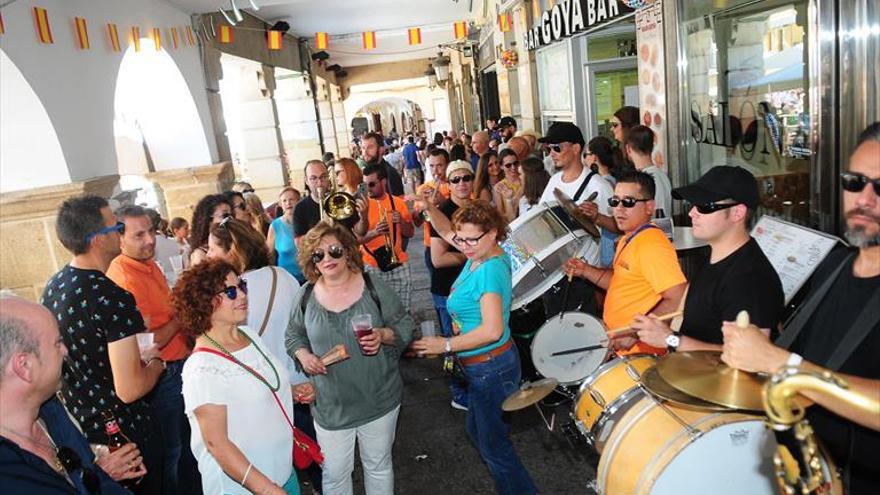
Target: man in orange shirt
[[136, 271], [645, 276], [437, 159], [388, 216]]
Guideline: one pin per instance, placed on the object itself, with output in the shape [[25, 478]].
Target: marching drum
[[539, 244], [607, 392], [571, 331]]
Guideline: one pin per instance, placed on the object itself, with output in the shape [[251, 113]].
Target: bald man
[[479, 147], [520, 146]]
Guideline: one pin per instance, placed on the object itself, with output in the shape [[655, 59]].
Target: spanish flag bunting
[[114, 37], [460, 29], [274, 39], [369, 40], [157, 38], [190, 39], [175, 39], [225, 34], [415, 36], [136, 38], [41, 23], [504, 22], [2, 27], [82, 33], [536, 9], [321, 41]]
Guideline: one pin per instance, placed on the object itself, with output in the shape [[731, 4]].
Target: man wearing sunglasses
[[738, 276], [836, 328], [373, 148]]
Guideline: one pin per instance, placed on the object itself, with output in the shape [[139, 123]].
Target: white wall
[[77, 87]]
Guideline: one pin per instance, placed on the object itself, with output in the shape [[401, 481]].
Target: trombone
[[337, 204]]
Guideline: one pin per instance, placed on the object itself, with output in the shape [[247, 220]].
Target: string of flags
[[414, 35]]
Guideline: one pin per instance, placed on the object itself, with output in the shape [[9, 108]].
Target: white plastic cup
[[428, 330], [145, 340], [177, 263]]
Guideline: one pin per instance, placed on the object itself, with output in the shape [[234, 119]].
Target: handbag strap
[[271, 301], [861, 327]]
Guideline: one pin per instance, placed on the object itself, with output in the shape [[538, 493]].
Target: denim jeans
[[457, 386], [181, 472], [489, 383]]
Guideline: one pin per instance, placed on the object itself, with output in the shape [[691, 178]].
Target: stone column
[[183, 188], [30, 252]]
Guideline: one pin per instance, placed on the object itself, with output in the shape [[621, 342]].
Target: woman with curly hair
[[232, 382], [360, 397], [209, 211], [479, 305]]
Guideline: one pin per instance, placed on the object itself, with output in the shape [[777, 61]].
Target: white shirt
[[663, 190], [254, 422], [259, 287]]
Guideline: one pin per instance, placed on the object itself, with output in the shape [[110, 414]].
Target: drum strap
[[583, 186]]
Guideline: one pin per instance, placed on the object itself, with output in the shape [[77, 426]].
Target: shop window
[[554, 79], [608, 47]]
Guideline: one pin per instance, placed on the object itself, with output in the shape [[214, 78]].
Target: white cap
[[457, 165]]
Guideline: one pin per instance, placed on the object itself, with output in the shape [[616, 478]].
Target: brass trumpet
[[389, 242]]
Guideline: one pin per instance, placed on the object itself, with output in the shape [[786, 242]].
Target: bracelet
[[246, 473], [601, 276], [164, 364]]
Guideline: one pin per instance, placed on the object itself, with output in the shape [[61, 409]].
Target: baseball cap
[[719, 183], [563, 132], [456, 166], [506, 121]]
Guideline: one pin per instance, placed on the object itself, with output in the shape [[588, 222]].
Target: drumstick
[[622, 331], [601, 345]]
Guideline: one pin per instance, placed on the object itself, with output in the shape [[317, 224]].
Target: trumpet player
[[389, 223]]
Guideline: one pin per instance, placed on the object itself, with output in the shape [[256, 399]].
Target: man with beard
[[837, 327], [507, 129], [373, 149]]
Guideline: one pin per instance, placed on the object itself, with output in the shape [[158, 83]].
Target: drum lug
[[633, 372], [597, 397]]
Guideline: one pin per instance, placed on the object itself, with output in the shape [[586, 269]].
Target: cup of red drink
[[362, 326]]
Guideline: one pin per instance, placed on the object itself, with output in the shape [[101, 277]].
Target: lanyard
[[631, 237]]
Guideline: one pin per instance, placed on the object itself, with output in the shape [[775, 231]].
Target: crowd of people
[[229, 348]]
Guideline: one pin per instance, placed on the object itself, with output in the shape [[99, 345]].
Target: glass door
[[614, 85]]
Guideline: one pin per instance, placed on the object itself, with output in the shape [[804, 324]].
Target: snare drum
[[607, 392], [539, 244], [572, 331]]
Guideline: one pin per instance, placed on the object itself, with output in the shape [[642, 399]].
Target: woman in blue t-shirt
[[280, 238], [479, 304]]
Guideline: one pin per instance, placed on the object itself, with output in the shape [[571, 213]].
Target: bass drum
[[650, 451], [571, 331]]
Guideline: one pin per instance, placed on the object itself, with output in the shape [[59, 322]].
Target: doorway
[[490, 106]]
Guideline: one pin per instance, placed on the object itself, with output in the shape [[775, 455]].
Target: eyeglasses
[[511, 164], [470, 241], [707, 208], [71, 463], [856, 182], [372, 184], [461, 178], [118, 228], [627, 202], [316, 178], [335, 251], [232, 290]]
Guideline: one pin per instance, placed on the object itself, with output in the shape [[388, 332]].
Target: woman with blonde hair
[[260, 220]]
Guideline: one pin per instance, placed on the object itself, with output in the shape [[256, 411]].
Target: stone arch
[[30, 152], [395, 112], [428, 100]]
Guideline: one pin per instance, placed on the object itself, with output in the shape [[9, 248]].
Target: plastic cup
[[176, 263], [145, 340], [428, 330], [362, 326]]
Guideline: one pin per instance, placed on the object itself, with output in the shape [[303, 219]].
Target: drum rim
[[602, 370], [551, 279], [551, 321], [623, 402]]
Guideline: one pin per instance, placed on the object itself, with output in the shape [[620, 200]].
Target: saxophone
[[808, 469]]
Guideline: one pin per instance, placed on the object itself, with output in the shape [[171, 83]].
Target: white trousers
[[375, 440]]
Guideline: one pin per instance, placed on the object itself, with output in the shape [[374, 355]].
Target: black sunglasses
[[511, 164], [470, 241], [627, 201], [246, 191], [71, 463], [465, 178], [372, 184], [556, 148], [335, 251], [707, 208], [232, 290], [856, 182]]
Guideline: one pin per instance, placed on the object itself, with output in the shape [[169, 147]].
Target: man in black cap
[[507, 128], [738, 276]]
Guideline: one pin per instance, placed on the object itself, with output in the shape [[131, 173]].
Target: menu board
[[794, 250]]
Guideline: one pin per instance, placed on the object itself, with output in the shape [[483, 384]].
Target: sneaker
[[456, 405]]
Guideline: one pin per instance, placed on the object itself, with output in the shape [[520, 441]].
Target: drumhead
[[572, 331]]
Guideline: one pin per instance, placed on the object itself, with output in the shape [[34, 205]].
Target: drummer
[[645, 276], [738, 276]]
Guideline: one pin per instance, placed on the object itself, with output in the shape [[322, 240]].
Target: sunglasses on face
[[461, 178], [118, 228], [372, 184], [626, 201], [511, 164], [470, 241], [248, 191], [221, 216], [856, 182], [232, 291], [335, 251], [72, 463], [707, 208]]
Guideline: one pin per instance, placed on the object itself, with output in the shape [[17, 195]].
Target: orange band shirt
[[444, 193], [374, 244]]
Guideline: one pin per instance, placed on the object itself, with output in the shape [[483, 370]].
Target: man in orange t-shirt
[[136, 271], [388, 216], [645, 276], [438, 159]]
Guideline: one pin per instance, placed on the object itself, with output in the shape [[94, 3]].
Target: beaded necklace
[[246, 367]]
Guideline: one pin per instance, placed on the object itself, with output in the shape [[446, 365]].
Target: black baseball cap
[[563, 132], [506, 121], [719, 183]]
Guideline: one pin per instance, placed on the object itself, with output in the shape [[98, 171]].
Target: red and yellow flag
[[415, 36], [369, 40], [536, 9], [460, 29], [505, 22], [225, 34], [190, 38], [41, 23], [321, 41], [114, 37], [157, 38], [175, 39], [274, 39], [82, 33], [2, 26], [136, 38]]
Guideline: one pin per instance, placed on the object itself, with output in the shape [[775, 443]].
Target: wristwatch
[[672, 341], [794, 360]]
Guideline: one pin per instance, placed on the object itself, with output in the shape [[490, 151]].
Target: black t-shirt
[[441, 281], [92, 312], [744, 280], [306, 214], [850, 445]]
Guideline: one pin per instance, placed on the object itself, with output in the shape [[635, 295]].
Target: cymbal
[[529, 393], [571, 208], [655, 384], [703, 375]]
